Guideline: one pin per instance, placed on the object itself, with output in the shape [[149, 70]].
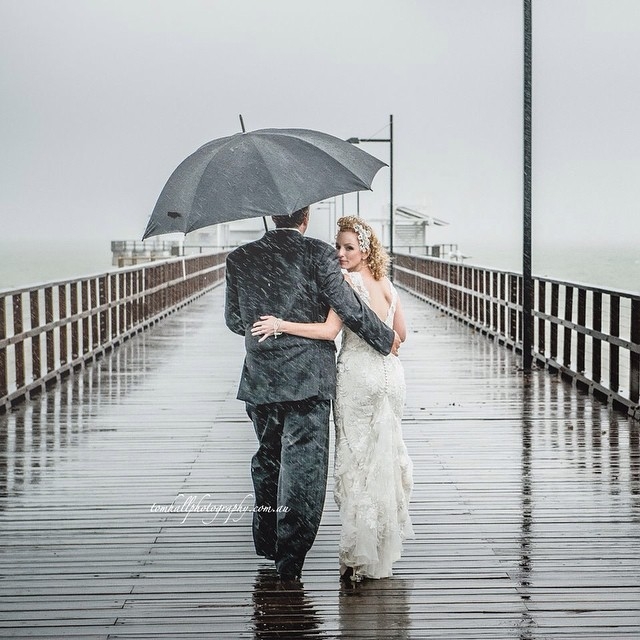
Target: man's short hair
[[291, 221]]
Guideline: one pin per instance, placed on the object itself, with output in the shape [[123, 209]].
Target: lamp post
[[389, 140], [527, 279]]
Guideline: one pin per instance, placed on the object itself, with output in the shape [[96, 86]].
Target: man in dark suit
[[288, 382]]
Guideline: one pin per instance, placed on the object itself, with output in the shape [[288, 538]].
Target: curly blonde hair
[[377, 258]]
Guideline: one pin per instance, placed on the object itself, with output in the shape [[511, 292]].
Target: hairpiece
[[364, 237]]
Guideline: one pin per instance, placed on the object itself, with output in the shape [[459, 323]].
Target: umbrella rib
[[331, 158], [273, 180], [208, 159]]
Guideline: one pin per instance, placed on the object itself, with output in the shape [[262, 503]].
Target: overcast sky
[[101, 99]]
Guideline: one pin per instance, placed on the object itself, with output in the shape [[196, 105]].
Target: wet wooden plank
[[525, 503]]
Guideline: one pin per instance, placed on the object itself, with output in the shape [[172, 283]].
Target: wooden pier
[[526, 503]]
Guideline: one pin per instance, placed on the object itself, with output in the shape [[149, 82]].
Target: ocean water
[[24, 263], [613, 267]]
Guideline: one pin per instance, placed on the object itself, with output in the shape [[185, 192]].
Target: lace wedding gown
[[373, 471]]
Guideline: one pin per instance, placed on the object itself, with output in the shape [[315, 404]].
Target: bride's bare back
[[380, 297]]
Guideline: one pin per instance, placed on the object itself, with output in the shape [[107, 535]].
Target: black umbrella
[[263, 172]]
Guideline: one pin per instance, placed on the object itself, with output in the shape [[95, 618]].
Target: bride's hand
[[265, 327]]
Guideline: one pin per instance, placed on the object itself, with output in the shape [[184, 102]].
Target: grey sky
[[101, 99]]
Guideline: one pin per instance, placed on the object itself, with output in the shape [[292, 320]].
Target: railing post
[[581, 338], [481, 300], [503, 308], [468, 296], [513, 314], [86, 320], [568, 315], [18, 328], [64, 329], [104, 314], [614, 349], [634, 356], [95, 315], [4, 372], [497, 297], [113, 298], [49, 337], [131, 304], [137, 289], [596, 343], [36, 364], [123, 303], [542, 306], [553, 329], [486, 289], [76, 327]]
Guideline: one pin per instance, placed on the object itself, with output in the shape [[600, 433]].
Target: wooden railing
[[587, 333], [48, 330]]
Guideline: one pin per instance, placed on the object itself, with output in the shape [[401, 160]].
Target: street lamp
[[527, 278], [390, 141]]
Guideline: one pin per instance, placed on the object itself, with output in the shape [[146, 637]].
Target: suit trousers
[[289, 473]]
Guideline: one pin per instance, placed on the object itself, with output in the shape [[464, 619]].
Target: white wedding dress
[[373, 471]]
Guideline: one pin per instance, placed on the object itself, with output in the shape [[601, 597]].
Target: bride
[[373, 471]]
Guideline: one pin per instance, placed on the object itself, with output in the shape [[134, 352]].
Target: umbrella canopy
[[263, 172]]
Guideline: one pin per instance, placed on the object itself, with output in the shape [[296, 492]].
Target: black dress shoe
[[289, 577], [289, 569]]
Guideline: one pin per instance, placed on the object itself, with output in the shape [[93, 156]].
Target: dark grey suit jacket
[[296, 278]]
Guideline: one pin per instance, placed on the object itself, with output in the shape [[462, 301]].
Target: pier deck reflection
[[526, 503]]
